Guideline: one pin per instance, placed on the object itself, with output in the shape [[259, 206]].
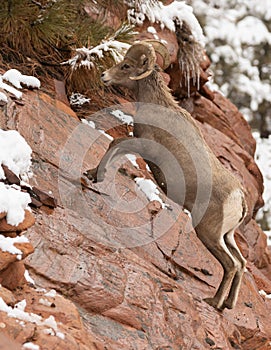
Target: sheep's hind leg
[[229, 264], [230, 302]]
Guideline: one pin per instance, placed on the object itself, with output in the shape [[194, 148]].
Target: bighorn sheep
[[182, 164]]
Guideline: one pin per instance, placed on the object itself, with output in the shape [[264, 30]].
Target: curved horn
[[160, 48], [147, 50], [142, 76]]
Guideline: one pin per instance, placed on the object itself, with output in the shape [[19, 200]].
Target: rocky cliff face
[[127, 279]]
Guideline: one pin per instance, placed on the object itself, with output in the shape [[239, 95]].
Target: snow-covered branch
[[85, 57]]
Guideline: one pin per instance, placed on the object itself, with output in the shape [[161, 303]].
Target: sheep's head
[[137, 64]]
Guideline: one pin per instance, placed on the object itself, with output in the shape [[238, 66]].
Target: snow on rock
[[151, 30], [132, 159], [28, 277], [52, 293], [106, 135], [31, 346], [156, 12], [264, 294], [16, 78], [13, 202], [8, 88], [124, 118], [7, 245], [3, 97], [15, 153], [19, 313], [89, 123], [45, 302], [92, 125], [148, 187]]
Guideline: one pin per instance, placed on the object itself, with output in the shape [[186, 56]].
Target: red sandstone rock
[[138, 278], [13, 276], [7, 344], [72, 334], [45, 198], [150, 296], [7, 296], [29, 221], [6, 258], [11, 269], [10, 176]]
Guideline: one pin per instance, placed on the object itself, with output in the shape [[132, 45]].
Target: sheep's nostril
[[103, 74]]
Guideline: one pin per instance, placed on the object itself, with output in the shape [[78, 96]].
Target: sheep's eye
[[125, 66]]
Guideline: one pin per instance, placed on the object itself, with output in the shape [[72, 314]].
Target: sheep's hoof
[[228, 305], [92, 175], [213, 303]]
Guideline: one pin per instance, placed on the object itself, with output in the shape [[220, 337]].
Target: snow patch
[[13, 202], [148, 187], [89, 123], [28, 277], [151, 30], [16, 78], [45, 302], [156, 12], [18, 313], [256, 36], [7, 245], [264, 294], [106, 135], [124, 118], [12, 90], [92, 125], [132, 159], [3, 97], [15, 153], [31, 346], [52, 293]]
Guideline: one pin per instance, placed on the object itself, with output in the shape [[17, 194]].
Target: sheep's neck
[[154, 90]]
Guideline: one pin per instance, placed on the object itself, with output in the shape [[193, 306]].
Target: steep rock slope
[[135, 272], [134, 291]]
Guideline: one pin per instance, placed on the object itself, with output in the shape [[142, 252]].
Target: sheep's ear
[[144, 61]]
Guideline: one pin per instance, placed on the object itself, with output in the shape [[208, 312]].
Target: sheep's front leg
[[117, 149], [97, 174]]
